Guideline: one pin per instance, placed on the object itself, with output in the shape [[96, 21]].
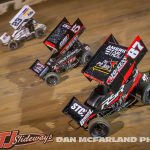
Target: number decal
[[38, 67], [75, 28], [138, 45], [17, 22], [134, 51]]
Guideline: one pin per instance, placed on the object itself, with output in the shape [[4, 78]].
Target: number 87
[[134, 52]]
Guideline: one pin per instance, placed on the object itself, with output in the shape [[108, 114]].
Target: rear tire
[[86, 47], [86, 56], [39, 33], [99, 127], [145, 95], [12, 45], [52, 78]]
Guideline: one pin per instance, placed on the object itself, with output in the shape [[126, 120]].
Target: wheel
[[86, 47], [52, 78], [39, 33], [12, 45], [86, 56], [147, 73], [145, 95], [76, 64], [99, 127]]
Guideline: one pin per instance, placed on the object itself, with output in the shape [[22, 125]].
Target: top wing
[[105, 60], [64, 35], [54, 38], [114, 63], [25, 13]]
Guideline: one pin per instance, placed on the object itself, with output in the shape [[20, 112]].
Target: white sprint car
[[25, 28]]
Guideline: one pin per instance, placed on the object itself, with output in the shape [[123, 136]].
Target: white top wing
[[25, 13]]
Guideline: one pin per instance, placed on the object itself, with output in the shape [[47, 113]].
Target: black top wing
[[113, 64], [54, 38], [64, 35], [105, 60]]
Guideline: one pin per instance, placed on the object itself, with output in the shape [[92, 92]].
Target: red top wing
[[135, 52]]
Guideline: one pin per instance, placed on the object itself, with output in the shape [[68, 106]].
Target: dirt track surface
[[29, 105]]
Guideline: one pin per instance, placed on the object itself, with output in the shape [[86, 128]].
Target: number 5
[[75, 28]]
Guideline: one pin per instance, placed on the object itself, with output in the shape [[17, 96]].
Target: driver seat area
[[97, 96]]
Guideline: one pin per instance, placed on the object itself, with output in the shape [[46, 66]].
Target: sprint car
[[67, 51], [25, 28], [120, 85]]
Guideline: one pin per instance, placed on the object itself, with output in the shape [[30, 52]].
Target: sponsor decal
[[83, 112], [85, 117], [105, 66], [135, 74], [116, 71], [71, 43], [76, 51], [64, 41], [135, 50], [111, 98], [115, 52], [28, 12], [10, 139], [79, 109], [67, 26], [38, 67]]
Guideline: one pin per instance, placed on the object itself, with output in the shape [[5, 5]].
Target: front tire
[[52, 78], [145, 95], [86, 56], [39, 33], [99, 127], [13, 45]]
